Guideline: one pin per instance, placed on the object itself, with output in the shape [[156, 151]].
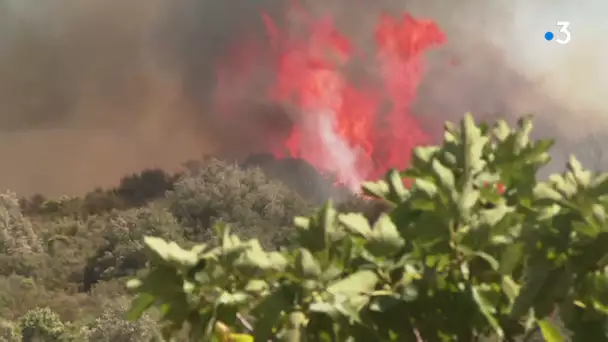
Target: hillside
[[72, 255]]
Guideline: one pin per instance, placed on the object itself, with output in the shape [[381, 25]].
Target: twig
[[244, 322]]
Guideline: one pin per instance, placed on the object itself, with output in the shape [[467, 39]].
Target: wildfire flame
[[345, 129]]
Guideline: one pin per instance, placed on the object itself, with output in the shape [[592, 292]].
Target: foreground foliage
[[476, 247]]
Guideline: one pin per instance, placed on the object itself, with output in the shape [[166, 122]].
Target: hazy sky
[[91, 90], [576, 70]]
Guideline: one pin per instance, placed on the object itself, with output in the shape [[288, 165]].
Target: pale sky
[[576, 70]]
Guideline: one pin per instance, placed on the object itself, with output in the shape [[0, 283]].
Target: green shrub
[[111, 326], [18, 295], [9, 331], [42, 324], [217, 191], [476, 247], [122, 254]]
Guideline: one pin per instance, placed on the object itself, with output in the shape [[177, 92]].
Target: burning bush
[[355, 128]]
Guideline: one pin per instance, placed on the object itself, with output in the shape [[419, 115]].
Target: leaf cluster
[[476, 247]]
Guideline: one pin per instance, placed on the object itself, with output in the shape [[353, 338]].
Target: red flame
[[343, 128]]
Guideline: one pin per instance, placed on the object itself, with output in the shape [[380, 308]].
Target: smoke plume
[[92, 90]]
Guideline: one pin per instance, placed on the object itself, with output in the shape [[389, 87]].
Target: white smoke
[[340, 157]]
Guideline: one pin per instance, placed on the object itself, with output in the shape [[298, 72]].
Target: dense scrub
[[64, 262]]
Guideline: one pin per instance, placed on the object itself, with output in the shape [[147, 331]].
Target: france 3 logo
[[564, 35]]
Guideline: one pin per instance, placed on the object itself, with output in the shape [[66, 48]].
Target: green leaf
[[467, 201], [241, 338], [544, 191], [409, 292], [384, 303], [469, 129], [321, 229], [598, 186], [397, 190], [510, 287], [157, 245], [278, 262], [307, 266], [268, 313], [565, 186], [356, 223], [301, 222], [550, 332], [256, 286], [537, 276], [487, 309], [188, 287], [449, 132], [480, 254], [324, 307], [501, 130], [328, 217], [385, 239], [444, 175], [522, 134], [423, 155], [581, 176], [232, 299], [134, 284], [491, 217], [171, 252], [603, 261], [223, 231], [599, 212], [511, 258], [587, 230], [253, 261], [295, 328], [425, 186], [548, 212], [377, 189], [350, 307], [473, 143], [139, 305], [362, 281]]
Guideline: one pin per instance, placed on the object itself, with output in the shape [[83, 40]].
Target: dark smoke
[[92, 90]]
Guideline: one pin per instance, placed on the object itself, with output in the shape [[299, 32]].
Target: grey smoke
[[92, 90]]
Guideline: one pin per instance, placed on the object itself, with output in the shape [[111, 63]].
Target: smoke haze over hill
[[92, 90]]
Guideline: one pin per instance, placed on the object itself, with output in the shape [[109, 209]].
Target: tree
[[16, 233], [220, 192], [111, 325], [41, 324], [122, 253], [138, 189]]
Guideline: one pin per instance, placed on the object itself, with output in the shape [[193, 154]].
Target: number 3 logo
[[565, 29]]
